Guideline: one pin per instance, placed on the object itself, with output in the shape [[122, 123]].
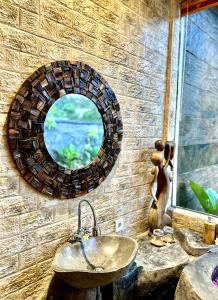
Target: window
[[197, 125]]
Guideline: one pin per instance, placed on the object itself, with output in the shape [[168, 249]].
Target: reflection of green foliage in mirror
[[50, 119], [77, 108], [70, 158], [50, 123], [90, 150], [73, 131], [207, 198], [67, 156], [92, 134]]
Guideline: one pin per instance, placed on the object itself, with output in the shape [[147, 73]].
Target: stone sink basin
[[196, 281], [95, 262]]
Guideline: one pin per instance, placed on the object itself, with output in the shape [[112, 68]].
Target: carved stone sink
[[197, 278], [95, 262]]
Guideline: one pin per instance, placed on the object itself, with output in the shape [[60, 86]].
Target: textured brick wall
[[125, 41]]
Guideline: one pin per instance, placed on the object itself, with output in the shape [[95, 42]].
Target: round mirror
[[65, 146], [73, 131]]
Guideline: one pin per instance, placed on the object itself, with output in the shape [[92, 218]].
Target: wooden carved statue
[[161, 159]]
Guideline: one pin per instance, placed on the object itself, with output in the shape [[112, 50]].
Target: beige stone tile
[[29, 63], [9, 59], [61, 211], [18, 40], [110, 37], [105, 3], [28, 258], [8, 265], [47, 250], [29, 21], [15, 205], [5, 100], [70, 37], [87, 8], [84, 24], [9, 14], [17, 243], [7, 167], [9, 81], [56, 12], [107, 227], [13, 296], [3, 126], [9, 187], [37, 290], [105, 214], [47, 28], [52, 232], [102, 201], [36, 219], [9, 226], [28, 240], [67, 3], [10, 246], [31, 5], [109, 19], [44, 269], [17, 281], [119, 184], [54, 51]]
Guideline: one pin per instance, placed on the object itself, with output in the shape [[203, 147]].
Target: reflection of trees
[[72, 158], [75, 108]]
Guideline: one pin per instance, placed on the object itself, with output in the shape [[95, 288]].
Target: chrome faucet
[[81, 231]]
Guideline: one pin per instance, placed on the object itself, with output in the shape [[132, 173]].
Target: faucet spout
[[94, 229]]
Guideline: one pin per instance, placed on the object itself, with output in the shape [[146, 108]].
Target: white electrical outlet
[[119, 225]]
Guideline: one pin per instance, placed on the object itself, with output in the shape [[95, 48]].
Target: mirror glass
[[73, 131]]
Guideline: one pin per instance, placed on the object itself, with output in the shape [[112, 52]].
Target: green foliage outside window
[[208, 198]]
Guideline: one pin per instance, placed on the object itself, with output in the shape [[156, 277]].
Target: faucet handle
[[84, 233], [76, 237], [96, 230]]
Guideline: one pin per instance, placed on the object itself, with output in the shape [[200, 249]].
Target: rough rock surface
[[159, 270], [191, 242], [59, 290], [195, 282]]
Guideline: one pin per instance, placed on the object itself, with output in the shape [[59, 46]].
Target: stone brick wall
[[125, 41], [198, 142]]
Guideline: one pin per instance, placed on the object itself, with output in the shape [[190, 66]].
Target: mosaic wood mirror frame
[[26, 126]]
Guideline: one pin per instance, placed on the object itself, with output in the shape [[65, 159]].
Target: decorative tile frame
[[26, 126]]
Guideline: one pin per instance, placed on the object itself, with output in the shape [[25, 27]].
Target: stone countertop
[[191, 242], [153, 258], [159, 269]]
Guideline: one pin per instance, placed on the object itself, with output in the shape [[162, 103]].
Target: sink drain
[[98, 269]]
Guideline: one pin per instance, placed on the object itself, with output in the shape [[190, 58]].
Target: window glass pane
[[198, 126]]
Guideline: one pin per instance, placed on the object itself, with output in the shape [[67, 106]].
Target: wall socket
[[119, 225]]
